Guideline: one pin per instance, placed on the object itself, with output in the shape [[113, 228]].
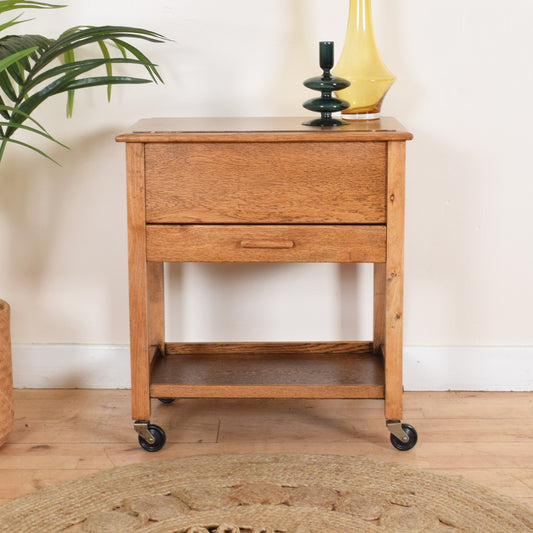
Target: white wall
[[464, 74]]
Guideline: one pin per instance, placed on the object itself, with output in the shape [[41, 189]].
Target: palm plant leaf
[[34, 68], [69, 58], [30, 118], [6, 140], [10, 5], [7, 61], [40, 130], [108, 67], [140, 57], [80, 67], [17, 57], [11, 22], [70, 81]]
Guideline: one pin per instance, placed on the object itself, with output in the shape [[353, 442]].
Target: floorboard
[[64, 434]]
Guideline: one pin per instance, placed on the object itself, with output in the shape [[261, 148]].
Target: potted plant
[[6, 374], [34, 68]]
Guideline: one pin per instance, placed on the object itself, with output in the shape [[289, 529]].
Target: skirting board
[[429, 368]]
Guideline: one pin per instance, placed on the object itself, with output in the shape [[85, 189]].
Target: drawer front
[[242, 243], [266, 182]]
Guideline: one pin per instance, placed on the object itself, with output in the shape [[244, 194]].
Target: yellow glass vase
[[361, 64]]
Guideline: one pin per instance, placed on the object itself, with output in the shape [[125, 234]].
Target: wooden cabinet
[[265, 190]]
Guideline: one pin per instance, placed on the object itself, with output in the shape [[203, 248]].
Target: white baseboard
[[489, 368], [431, 368], [71, 366]]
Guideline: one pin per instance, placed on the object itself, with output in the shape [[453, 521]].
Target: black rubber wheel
[[160, 439], [166, 400], [404, 446]]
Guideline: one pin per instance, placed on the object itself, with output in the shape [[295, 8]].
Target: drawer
[[246, 243], [266, 182]]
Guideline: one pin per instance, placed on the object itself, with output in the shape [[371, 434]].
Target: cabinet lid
[[261, 129]]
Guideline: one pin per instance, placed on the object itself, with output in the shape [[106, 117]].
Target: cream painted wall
[[464, 81]]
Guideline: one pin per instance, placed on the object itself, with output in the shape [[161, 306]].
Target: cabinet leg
[[138, 283], [140, 352], [393, 383], [394, 281], [156, 304], [379, 306], [388, 335]]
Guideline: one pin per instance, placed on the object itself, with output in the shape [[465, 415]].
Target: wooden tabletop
[[239, 129]]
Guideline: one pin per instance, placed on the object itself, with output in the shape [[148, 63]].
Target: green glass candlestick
[[326, 84]]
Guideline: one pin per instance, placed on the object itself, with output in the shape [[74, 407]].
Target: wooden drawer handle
[[280, 245]]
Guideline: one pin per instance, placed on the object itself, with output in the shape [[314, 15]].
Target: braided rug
[[266, 494]]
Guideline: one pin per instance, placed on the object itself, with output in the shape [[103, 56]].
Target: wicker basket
[[6, 374]]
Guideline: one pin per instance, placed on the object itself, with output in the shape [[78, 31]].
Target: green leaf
[[81, 66], [5, 140], [10, 44], [15, 51], [86, 35], [63, 84], [69, 60], [10, 5], [104, 80], [4, 109], [5, 62], [108, 67], [7, 86], [29, 74], [121, 48], [77, 38], [11, 22], [141, 58], [42, 132], [16, 71]]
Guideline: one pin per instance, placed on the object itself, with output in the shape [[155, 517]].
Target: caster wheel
[[166, 400], [404, 446], [160, 439]]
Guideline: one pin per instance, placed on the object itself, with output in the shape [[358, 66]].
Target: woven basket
[[6, 374]]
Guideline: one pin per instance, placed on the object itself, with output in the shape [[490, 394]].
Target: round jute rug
[[266, 494]]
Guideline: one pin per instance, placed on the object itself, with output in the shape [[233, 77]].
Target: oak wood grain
[[379, 306], [275, 194], [266, 183], [393, 345], [260, 129], [67, 434], [138, 283], [156, 304], [266, 243], [269, 370], [268, 348]]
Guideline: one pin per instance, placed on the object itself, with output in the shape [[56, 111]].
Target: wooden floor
[[64, 434]]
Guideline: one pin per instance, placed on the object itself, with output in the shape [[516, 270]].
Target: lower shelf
[[268, 370]]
